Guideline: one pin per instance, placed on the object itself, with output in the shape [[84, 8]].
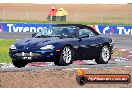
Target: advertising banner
[[113, 29], [22, 27], [30, 27]]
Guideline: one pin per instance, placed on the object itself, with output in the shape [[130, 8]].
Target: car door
[[88, 47]]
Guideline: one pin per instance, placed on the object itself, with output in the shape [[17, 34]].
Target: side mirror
[[84, 36], [34, 34]]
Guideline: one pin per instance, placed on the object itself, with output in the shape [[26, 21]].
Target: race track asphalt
[[123, 41]]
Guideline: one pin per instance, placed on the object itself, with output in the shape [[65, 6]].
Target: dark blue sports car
[[63, 44]]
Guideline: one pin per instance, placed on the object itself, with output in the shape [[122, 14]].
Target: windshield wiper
[[57, 36], [42, 36], [45, 36]]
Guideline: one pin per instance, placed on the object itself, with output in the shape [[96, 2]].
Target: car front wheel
[[66, 57], [19, 64], [105, 55]]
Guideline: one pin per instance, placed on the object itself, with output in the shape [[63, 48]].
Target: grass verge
[[4, 50], [54, 22], [119, 53]]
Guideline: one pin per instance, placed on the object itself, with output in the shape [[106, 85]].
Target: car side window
[[86, 32], [69, 32]]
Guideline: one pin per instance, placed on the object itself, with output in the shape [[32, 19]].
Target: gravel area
[[58, 79]]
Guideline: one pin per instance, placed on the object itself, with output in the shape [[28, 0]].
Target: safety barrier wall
[[22, 27], [113, 29], [29, 27]]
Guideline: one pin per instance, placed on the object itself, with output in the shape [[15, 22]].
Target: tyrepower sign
[[26, 27], [113, 29], [22, 27]]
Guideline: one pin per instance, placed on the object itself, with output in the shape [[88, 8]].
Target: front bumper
[[35, 55]]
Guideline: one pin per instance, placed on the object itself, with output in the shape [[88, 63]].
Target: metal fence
[[95, 17]]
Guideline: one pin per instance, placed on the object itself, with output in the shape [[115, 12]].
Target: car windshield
[[57, 32]]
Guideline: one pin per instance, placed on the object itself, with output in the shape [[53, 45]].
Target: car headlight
[[13, 47], [47, 47]]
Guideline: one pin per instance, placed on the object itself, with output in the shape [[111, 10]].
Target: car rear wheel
[[19, 64], [66, 57], [104, 56]]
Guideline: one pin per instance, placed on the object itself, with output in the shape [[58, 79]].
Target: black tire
[[103, 59], [81, 80], [56, 62], [63, 61], [19, 64]]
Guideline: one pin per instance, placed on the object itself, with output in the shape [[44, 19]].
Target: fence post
[[76, 15], [27, 14], [3, 15], [101, 19], [127, 21], [51, 17]]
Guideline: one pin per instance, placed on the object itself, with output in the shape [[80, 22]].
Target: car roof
[[81, 26], [75, 25]]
